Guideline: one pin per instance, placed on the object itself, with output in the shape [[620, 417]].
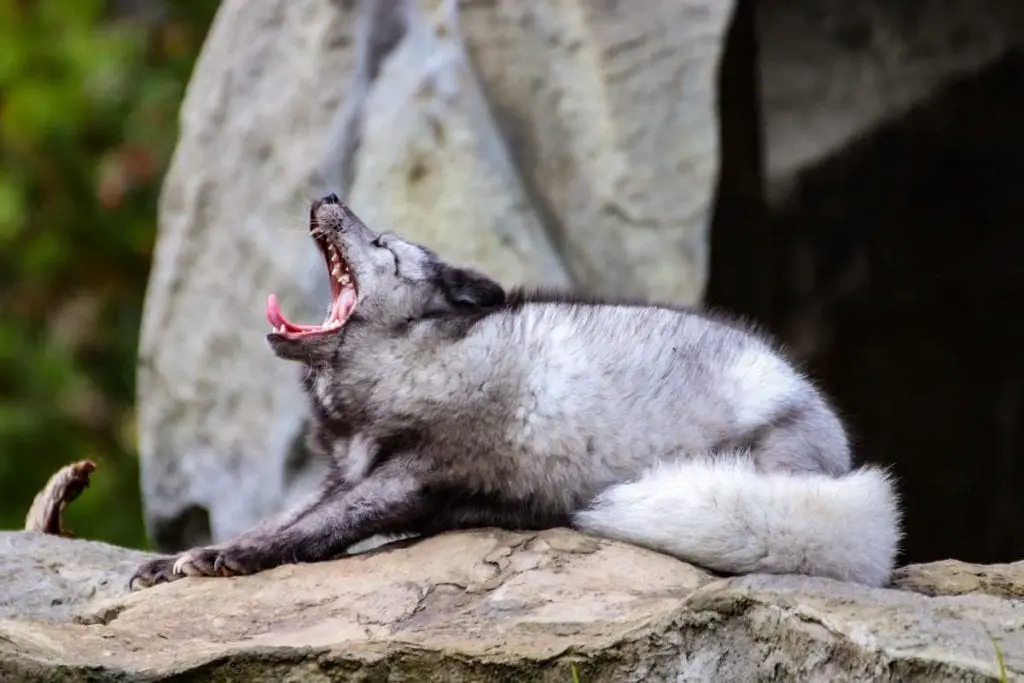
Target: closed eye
[[384, 241], [381, 243]]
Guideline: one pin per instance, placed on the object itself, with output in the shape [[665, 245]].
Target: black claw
[[151, 574]]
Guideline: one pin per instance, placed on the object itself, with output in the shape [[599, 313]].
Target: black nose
[[329, 199], [316, 204]]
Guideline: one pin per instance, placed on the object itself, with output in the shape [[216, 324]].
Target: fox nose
[[329, 199], [314, 207]]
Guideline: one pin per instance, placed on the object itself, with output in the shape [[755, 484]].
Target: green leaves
[[88, 121]]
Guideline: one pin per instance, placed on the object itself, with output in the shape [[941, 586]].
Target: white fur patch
[[357, 455], [722, 514], [323, 391], [761, 382]]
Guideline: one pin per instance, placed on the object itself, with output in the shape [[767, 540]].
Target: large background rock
[[489, 606], [432, 165], [553, 142], [611, 116], [833, 71], [217, 413]]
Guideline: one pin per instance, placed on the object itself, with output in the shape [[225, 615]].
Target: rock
[[216, 410], [611, 116], [571, 160], [486, 605], [49, 578], [833, 72], [432, 164], [952, 577]]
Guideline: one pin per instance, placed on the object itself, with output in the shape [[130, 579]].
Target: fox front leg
[[389, 502], [202, 561]]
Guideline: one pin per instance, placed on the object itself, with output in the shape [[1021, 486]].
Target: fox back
[[539, 398]]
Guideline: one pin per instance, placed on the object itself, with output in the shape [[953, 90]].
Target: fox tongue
[[276, 318]]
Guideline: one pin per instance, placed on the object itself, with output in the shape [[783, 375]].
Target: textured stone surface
[[952, 577], [482, 606], [217, 411], [50, 578], [432, 164], [831, 72], [610, 113]]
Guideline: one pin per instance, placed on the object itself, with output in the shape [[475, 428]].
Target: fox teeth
[[336, 271], [344, 279]]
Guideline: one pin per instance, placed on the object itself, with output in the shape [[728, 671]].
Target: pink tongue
[[274, 315], [276, 318]]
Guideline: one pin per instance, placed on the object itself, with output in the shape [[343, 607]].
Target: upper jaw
[[328, 219]]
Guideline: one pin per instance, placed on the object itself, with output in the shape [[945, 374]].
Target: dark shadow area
[[739, 226], [896, 271], [188, 530]]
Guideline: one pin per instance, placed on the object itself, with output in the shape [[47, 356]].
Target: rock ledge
[[494, 605]]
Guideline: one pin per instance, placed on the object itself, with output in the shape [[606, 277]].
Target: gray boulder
[[833, 72], [491, 605]]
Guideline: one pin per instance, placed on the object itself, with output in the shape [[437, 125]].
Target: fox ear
[[466, 288]]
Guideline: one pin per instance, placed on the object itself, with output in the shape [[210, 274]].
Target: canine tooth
[[344, 279], [336, 271]]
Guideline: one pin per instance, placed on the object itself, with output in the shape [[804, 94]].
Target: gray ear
[[466, 288]]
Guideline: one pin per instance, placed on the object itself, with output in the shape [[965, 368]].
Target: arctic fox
[[443, 402]]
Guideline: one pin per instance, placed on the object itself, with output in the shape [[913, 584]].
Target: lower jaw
[[341, 310]]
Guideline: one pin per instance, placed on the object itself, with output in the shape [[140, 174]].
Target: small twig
[[64, 486]]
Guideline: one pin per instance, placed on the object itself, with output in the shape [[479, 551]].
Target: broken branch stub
[[63, 487]]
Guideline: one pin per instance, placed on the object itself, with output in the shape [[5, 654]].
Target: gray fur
[[443, 403]]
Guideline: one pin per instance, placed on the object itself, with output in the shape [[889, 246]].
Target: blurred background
[[846, 172], [89, 99]]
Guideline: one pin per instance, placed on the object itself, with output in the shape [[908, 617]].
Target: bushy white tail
[[721, 513]]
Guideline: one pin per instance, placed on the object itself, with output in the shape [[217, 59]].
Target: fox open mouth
[[343, 298]]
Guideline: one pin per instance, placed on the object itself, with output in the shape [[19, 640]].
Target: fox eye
[[382, 240]]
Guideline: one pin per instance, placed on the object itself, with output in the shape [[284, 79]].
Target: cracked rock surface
[[491, 605]]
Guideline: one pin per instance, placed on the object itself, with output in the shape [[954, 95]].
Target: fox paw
[[229, 561], [153, 572], [197, 562]]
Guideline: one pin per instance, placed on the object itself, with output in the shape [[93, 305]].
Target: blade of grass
[[999, 658]]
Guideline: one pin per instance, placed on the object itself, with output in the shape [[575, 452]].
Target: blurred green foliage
[[88, 120]]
